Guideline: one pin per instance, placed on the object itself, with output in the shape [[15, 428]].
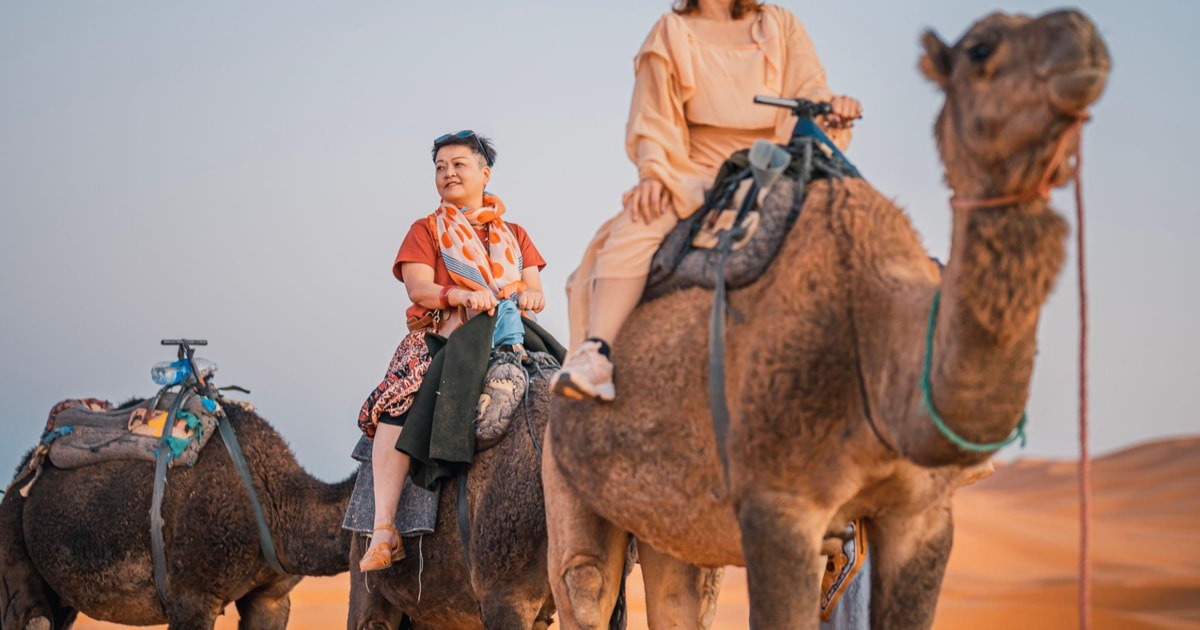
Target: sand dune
[[1015, 553]]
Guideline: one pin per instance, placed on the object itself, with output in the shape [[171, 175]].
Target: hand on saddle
[[846, 110], [531, 300], [647, 201], [481, 300]]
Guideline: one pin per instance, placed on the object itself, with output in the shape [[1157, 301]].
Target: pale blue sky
[[244, 172]]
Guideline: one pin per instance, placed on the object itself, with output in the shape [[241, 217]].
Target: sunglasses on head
[[463, 135]]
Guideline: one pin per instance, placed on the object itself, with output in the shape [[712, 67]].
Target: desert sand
[[1014, 563]]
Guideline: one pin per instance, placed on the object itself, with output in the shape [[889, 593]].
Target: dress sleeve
[[803, 75], [418, 246], [656, 136]]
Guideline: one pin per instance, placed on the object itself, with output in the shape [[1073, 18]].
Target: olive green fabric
[[439, 430]]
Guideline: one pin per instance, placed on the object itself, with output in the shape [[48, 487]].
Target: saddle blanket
[[89, 431], [846, 585], [415, 516]]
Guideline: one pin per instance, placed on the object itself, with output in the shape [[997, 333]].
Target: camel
[[506, 586], [824, 373], [81, 541]]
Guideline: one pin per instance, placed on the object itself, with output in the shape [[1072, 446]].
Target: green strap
[[927, 398]]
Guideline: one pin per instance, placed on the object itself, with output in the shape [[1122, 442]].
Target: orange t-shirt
[[420, 246]]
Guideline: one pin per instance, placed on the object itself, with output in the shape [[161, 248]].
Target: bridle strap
[[1045, 185]]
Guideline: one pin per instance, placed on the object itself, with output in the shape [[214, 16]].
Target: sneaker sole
[[567, 388]]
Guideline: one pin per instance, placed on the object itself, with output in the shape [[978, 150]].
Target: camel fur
[[824, 374], [506, 586], [81, 541]]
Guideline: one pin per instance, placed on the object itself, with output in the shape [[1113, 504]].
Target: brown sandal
[[382, 555]]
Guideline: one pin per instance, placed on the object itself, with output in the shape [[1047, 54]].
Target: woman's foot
[[586, 373], [384, 550]]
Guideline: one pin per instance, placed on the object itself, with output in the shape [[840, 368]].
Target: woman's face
[[459, 175]]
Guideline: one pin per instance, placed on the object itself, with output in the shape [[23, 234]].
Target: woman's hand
[[647, 201], [845, 110], [531, 300], [482, 300]]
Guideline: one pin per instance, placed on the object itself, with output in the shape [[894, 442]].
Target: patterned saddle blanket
[[688, 256], [80, 432]]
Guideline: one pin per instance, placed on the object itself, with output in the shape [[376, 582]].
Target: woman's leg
[[621, 266], [389, 467]]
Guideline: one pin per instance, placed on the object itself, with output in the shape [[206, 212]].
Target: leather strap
[[717, 399], [464, 518], [239, 462], [162, 457]]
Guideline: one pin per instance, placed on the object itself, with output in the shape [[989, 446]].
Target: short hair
[[737, 10], [480, 145]]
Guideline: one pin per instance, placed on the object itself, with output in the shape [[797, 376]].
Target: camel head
[[1014, 85]]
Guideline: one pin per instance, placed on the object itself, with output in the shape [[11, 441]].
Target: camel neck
[[1002, 265]]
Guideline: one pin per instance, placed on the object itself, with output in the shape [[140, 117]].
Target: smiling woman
[[460, 261]]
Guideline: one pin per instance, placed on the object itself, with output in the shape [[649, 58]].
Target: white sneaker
[[586, 373]]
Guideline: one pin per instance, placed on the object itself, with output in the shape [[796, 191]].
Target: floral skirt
[[394, 395]]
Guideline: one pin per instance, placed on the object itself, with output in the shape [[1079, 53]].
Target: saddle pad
[[80, 435], [697, 267], [416, 515]]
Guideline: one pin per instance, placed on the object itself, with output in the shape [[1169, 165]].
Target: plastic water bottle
[[167, 373]]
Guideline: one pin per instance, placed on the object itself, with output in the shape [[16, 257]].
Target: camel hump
[[80, 432], [759, 219]]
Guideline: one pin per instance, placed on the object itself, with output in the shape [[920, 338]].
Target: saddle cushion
[[80, 433], [697, 267], [415, 515]]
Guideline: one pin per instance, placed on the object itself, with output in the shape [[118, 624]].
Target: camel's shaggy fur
[[507, 586], [81, 541], [823, 375]]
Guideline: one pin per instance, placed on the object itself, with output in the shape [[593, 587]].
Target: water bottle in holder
[[167, 373]]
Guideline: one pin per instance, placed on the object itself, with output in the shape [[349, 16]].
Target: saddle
[[83, 432], [688, 256]]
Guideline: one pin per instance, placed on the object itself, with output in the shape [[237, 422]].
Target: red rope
[[1085, 467]]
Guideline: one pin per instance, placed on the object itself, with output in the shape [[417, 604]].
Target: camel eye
[[979, 52]]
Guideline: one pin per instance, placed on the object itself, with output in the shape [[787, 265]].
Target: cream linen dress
[[692, 107]]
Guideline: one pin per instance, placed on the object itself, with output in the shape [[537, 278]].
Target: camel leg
[[781, 541], [368, 609], [908, 560], [193, 613], [26, 601], [266, 608], [673, 590], [586, 555], [504, 611]]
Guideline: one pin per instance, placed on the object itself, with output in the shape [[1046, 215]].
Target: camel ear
[[935, 63]]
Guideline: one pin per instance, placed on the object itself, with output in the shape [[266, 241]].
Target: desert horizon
[[1023, 566]]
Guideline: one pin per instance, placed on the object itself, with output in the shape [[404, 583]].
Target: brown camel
[[506, 587], [81, 541], [824, 375]]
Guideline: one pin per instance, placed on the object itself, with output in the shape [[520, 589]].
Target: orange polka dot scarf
[[471, 265]]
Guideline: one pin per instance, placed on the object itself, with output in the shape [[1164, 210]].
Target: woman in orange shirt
[[461, 260], [696, 76]]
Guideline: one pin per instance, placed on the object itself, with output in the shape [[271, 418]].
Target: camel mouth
[[1075, 91]]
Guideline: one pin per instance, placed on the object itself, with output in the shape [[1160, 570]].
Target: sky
[[244, 173]]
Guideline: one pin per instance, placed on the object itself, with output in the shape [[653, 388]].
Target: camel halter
[[1045, 185], [1085, 468]]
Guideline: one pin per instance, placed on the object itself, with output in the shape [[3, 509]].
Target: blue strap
[[927, 399], [807, 126]]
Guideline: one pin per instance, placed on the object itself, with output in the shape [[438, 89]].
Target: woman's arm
[[656, 135], [422, 290], [804, 77], [532, 298]]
